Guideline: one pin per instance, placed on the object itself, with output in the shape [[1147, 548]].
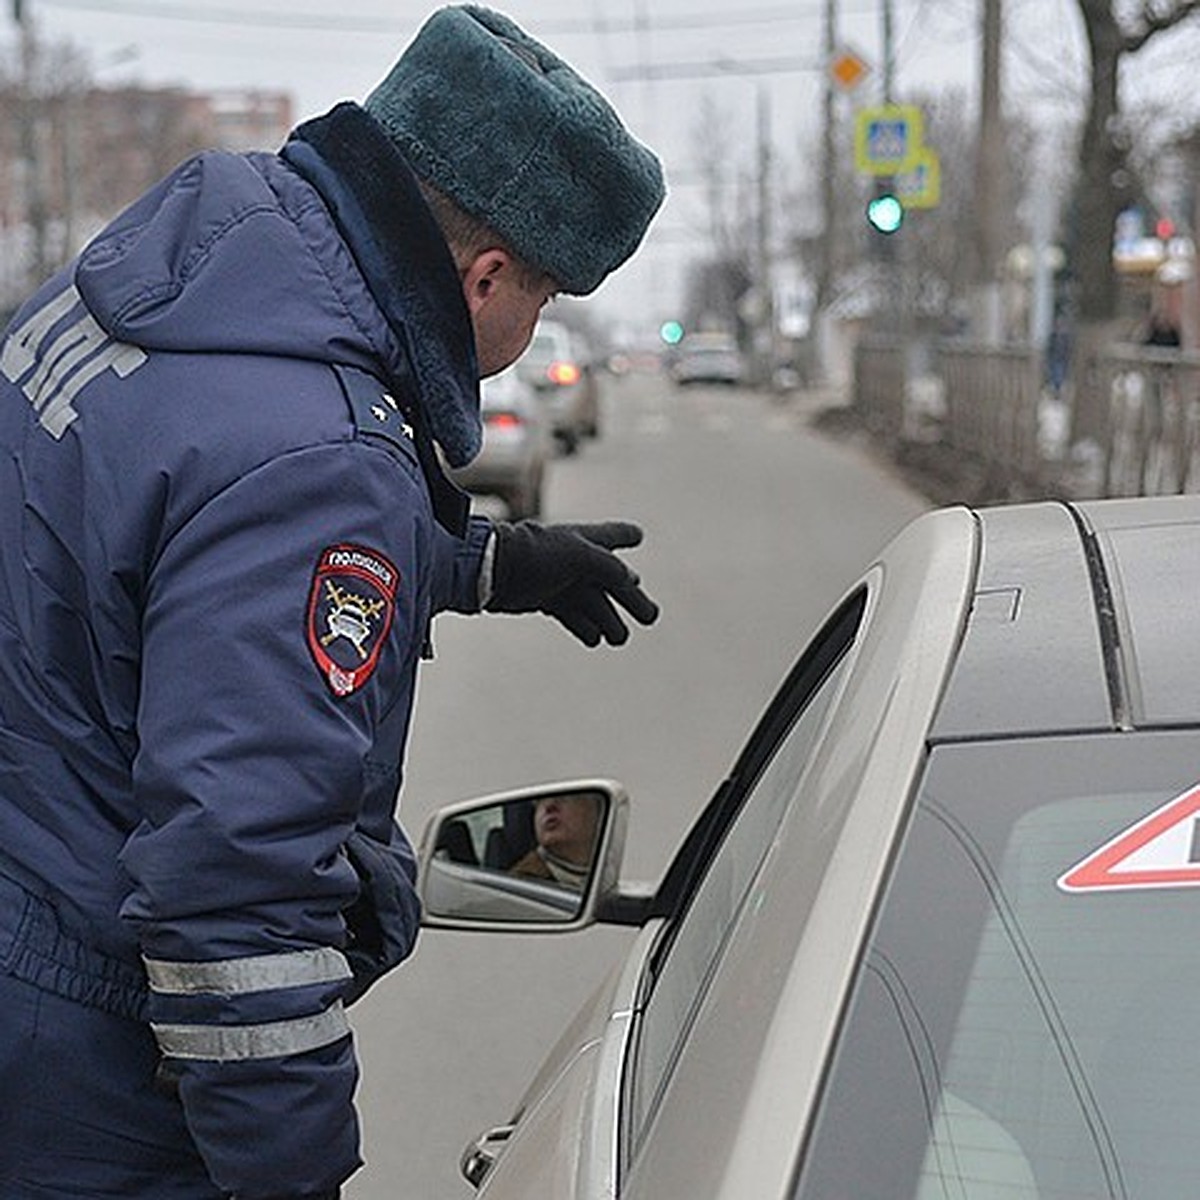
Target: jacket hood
[[259, 254], [376, 202]]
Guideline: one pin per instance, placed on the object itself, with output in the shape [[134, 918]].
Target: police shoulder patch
[[350, 611]]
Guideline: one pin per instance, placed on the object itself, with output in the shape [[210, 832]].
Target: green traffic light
[[671, 332], [885, 213]]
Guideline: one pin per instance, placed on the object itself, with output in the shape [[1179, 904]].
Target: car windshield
[[548, 343], [1019, 1025]]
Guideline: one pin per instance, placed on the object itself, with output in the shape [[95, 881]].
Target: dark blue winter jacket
[[219, 565]]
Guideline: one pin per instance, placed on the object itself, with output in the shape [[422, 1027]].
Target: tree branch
[[1154, 18]]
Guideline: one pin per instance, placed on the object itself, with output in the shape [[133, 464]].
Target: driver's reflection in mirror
[[565, 828]]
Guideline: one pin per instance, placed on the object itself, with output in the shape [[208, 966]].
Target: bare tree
[[1113, 30], [73, 153], [716, 282], [935, 245], [1104, 144], [941, 239]]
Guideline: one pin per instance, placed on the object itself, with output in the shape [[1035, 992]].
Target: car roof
[[1081, 620], [1151, 549]]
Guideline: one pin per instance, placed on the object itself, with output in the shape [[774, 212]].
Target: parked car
[[558, 363], [708, 358], [516, 446], [933, 934]]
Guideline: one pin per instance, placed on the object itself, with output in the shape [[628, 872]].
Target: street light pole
[[894, 313]]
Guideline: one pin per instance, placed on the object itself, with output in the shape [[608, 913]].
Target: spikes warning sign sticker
[[1162, 850]]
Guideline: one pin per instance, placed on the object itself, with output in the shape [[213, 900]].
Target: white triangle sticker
[[1162, 850]]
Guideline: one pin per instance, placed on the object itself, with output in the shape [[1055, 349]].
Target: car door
[[739, 1005], [589, 1106], [627, 1108]]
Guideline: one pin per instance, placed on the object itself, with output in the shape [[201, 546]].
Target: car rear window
[[1019, 1027]]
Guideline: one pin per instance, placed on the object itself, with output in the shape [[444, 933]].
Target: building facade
[[71, 160]]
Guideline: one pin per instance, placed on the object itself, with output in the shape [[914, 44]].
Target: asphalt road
[[754, 527]]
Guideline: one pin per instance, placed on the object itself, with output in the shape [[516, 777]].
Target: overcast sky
[[661, 62]]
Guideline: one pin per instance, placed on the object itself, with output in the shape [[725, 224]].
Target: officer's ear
[[488, 275]]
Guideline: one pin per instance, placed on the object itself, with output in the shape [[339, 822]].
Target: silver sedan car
[[932, 937], [516, 449], [558, 364]]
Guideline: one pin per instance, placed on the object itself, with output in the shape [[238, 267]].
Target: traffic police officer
[[226, 535]]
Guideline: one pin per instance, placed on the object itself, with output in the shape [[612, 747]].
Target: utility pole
[[989, 180], [886, 250], [827, 256], [35, 203], [765, 324], [889, 53]]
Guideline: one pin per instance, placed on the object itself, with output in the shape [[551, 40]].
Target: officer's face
[[504, 309]]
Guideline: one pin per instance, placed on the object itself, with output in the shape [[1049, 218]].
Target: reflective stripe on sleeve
[[241, 976], [231, 1043]]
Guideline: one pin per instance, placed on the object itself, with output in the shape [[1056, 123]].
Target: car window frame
[[822, 653], [830, 649]]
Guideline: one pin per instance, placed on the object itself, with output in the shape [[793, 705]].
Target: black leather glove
[[382, 923], [570, 573]]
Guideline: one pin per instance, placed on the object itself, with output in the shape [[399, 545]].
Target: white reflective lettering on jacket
[[67, 364]]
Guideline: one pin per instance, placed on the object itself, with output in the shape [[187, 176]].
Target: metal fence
[[1153, 437], [992, 408], [881, 385], [993, 401]]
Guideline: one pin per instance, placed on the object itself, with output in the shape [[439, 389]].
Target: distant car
[[932, 935], [516, 446], [708, 358], [558, 363]]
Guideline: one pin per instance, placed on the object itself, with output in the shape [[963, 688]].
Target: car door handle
[[480, 1156]]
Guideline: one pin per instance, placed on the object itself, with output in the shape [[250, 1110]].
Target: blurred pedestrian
[[1058, 352], [1161, 330], [226, 535]]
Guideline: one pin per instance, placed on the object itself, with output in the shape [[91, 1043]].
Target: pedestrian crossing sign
[[888, 139], [921, 187]]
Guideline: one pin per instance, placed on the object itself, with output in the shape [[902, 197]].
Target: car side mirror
[[537, 859]]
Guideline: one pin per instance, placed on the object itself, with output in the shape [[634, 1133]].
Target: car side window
[[778, 764]]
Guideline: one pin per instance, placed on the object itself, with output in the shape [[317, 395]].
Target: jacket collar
[[378, 209]]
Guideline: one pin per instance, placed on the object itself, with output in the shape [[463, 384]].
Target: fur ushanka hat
[[518, 139]]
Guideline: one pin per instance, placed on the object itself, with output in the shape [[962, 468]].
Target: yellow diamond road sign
[[848, 70]]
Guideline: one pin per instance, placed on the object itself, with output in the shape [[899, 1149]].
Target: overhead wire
[[226, 14]]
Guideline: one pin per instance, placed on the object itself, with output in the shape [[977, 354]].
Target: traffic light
[[885, 211], [671, 332]]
